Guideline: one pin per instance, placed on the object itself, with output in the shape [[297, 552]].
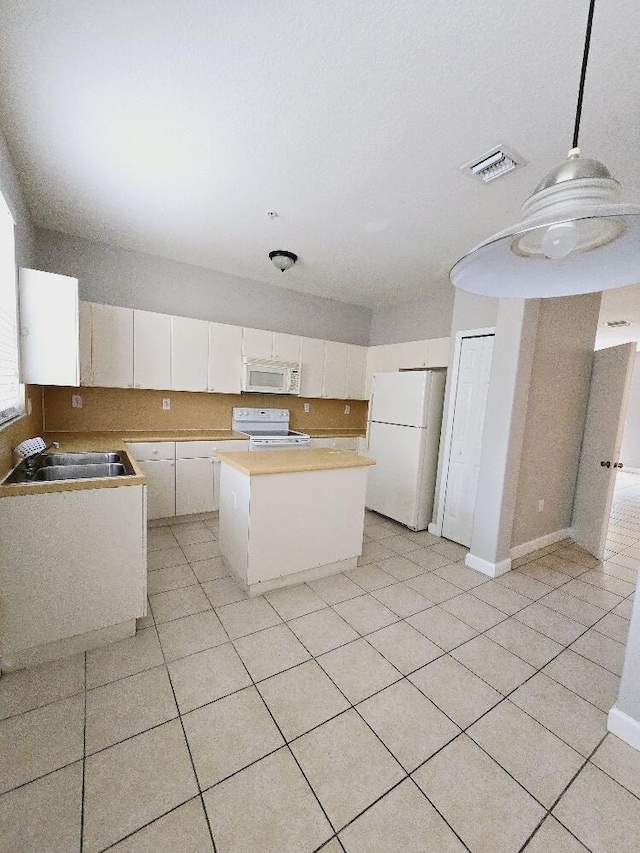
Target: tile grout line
[[188, 746], [84, 755]]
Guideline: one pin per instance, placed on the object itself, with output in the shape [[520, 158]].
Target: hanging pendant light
[[575, 236]]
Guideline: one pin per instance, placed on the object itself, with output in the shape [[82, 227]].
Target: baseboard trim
[[493, 570], [312, 574], [541, 542], [625, 727]]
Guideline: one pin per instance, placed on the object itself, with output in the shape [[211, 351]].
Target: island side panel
[[70, 563], [233, 533], [304, 520]]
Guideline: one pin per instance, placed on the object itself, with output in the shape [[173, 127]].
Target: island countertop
[[291, 461]]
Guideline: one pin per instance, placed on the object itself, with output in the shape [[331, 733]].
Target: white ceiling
[[173, 128]]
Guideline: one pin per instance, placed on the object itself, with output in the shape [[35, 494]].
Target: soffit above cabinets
[[174, 128]]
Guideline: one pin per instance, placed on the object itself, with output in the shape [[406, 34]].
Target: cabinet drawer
[[143, 451], [195, 449]]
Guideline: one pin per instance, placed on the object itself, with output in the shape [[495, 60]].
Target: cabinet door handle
[[606, 464]]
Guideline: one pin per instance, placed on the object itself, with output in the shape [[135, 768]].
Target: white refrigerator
[[405, 416]]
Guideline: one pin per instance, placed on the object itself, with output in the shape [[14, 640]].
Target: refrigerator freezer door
[[401, 398], [393, 484]]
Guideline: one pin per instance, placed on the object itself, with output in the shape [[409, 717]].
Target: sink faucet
[[30, 461]]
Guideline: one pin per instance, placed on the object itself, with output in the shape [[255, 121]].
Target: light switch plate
[[347, 410], [76, 401], [166, 402], [29, 406]]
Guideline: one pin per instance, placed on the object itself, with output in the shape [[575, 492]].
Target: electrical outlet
[[347, 409], [540, 506], [306, 408], [76, 401], [166, 402], [29, 406]]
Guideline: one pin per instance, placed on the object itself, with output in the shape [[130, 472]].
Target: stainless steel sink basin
[[80, 458], [80, 472], [72, 466]]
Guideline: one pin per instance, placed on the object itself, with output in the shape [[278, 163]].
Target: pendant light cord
[[583, 72]]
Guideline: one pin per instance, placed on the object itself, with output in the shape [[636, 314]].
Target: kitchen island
[[288, 516]]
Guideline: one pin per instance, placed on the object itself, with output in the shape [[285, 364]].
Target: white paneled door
[[611, 376], [461, 472]]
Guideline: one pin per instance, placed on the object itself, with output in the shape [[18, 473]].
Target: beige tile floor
[[412, 705]]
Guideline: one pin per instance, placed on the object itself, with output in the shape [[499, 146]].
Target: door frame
[[435, 526]]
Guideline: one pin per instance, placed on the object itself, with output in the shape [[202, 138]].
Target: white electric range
[[268, 429]]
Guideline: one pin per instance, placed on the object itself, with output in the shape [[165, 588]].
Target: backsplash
[[27, 427], [105, 409]]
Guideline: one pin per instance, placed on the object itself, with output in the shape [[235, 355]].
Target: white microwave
[[268, 376]]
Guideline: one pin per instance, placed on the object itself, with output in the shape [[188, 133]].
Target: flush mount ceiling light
[[575, 236], [283, 260]]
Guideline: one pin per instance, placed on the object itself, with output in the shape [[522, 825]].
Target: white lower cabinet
[[183, 477], [195, 479], [87, 584], [161, 488], [157, 461]]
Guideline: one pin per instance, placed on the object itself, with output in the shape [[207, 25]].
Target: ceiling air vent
[[496, 162], [616, 324]]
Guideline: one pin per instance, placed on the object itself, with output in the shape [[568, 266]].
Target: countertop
[[78, 442], [292, 461]]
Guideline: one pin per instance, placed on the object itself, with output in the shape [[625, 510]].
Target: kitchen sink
[[72, 466], [80, 458], [80, 472]]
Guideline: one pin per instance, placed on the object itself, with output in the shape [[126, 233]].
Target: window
[[11, 402]]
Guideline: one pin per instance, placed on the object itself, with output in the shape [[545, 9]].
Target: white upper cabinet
[[257, 343], [225, 358], [111, 346], [311, 367], [391, 357], [374, 365], [286, 347], [356, 369], [49, 335], [189, 354], [413, 354], [438, 353], [151, 350], [84, 316], [335, 370]]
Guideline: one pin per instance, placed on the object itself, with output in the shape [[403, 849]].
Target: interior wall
[[131, 279], [557, 403], [429, 316], [630, 452], [129, 409]]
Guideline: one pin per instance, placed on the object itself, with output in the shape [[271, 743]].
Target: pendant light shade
[[575, 235]]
